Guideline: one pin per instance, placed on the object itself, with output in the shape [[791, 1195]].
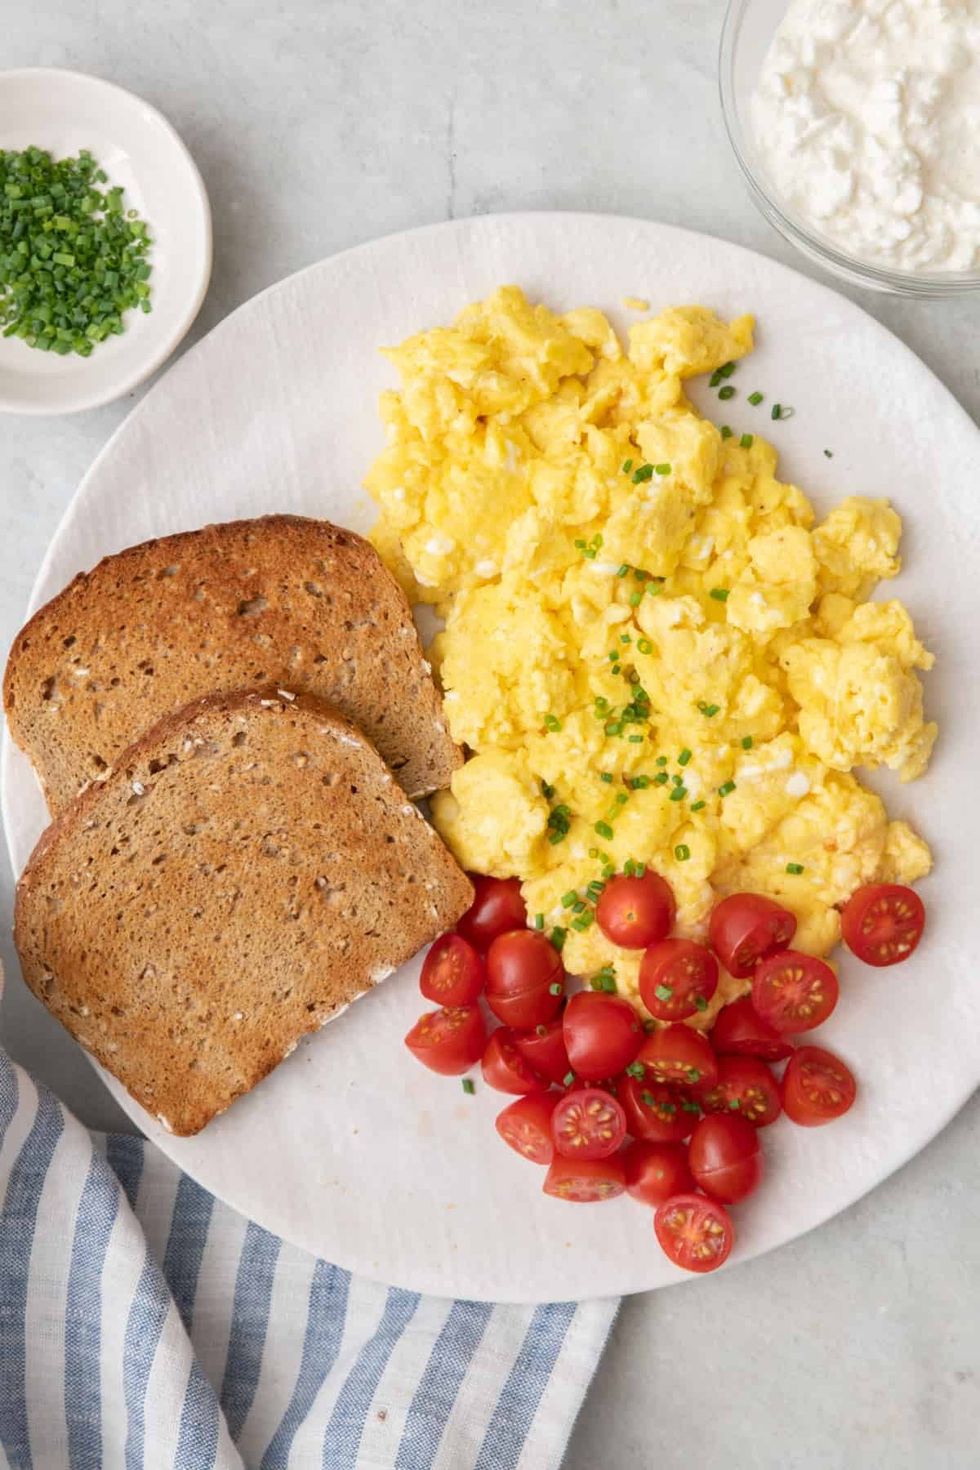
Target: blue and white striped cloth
[[145, 1326]]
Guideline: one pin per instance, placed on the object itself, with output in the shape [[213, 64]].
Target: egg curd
[[651, 651]]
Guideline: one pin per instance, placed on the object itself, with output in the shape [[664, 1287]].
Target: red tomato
[[655, 1113], [655, 1171], [677, 978], [745, 1086], [497, 908], [817, 1087], [525, 978], [679, 1057], [602, 1034], [747, 926], [635, 912], [883, 922], [740, 1031], [588, 1123], [584, 1180], [544, 1049], [526, 1126], [452, 972], [725, 1157], [794, 991], [448, 1041], [694, 1232], [504, 1068]]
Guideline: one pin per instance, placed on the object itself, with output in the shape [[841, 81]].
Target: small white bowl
[[63, 111]]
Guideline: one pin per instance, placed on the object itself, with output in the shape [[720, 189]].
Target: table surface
[[319, 124]]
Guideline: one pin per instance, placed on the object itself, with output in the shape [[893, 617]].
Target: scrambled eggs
[[651, 651]]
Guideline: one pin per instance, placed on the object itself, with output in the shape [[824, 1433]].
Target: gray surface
[[319, 124]]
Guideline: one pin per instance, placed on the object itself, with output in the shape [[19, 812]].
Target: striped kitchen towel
[[145, 1326]]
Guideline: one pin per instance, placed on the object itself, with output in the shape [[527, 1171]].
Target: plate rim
[[423, 1280]]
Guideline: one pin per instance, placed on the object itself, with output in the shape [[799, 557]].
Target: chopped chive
[[697, 806], [568, 898], [715, 379], [682, 852], [677, 780], [614, 727], [606, 776], [568, 1079], [660, 779], [469, 1086], [621, 798], [635, 599], [691, 1107], [627, 466], [639, 783], [795, 868], [684, 757], [617, 668], [637, 1070], [747, 440], [559, 822], [664, 992], [644, 645], [755, 399], [608, 870], [641, 869], [726, 393], [662, 469], [578, 907], [700, 1003], [585, 921], [726, 789], [601, 704], [547, 791], [636, 740], [720, 594], [829, 453], [555, 988], [645, 472], [709, 710], [726, 432], [661, 760], [539, 921], [558, 937], [625, 638], [604, 830], [678, 793], [551, 723], [727, 370], [782, 411], [734, 1104], [746, 742], [623, 570]]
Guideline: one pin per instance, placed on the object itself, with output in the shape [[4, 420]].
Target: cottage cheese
[[867, 118]]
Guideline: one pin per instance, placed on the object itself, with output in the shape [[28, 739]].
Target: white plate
[[350, 1148], [64, 111]]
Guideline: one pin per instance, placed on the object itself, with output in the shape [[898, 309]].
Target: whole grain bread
[[247, 869], [280, 600]]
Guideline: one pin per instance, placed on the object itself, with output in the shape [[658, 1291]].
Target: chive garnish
[[755, 399], [662, 469], [726, 432], [552, 724], [678, 793], [682, 852], [720, 594], [469, 1086], [604, 830], [726, 393], [684, 757], [697, 806], [645, 472], [726, 789], [795, 868], [746, 742], [747, 440]]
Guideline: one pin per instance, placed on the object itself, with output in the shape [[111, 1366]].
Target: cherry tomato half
[[655, 1171], [655, 1113], [817, 1087], [694, 1232], [448, 1041], [634, 912], [725, 1157], [740, 1031], [745, 1086], [504, 1068], [525, 978], [794, 991], [602, 1034], [544, 1050], [453, 973], [526, 1126], [679, 1057], [677, 978], [497, 908], [584, 1181], [588, 1123], [747, 926], [883, 922]]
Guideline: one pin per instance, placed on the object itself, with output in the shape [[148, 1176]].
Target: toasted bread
[[281, 600], [247, 869]]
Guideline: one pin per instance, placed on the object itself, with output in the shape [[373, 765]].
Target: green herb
[[645, 472], [601, 705], [691, 1107], [559, 821], [644, 645], [697, 806], [73, 261], [662, 469], [720, 594], [682, 852], [614, 727], [547, 791], [568, 1079], [727, 370], [638, 783], [677, 780], [662, 760], [829, 453], [664, 992], [604, 830], [623, 570], [556, 988], [606, 776], [551, 723], [733, 1104], [660, 779], [604, 980], [726, 432], [746, 742], [747, 440], [469, 1086], [636, 740], [569, 898], [627, 466], [625, 638], [578, 907], [715, 379], [700, 1003], [726, 789], [635, 599], [755, 399], [539, 921], [594, 890], [693, 1075], [558, 937], [678, 793], [637, 1070], [782, 411], [795, 868], [726, 393], [684, 757], [709, 710]]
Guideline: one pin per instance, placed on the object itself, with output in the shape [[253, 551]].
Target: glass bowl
[[748, 29]]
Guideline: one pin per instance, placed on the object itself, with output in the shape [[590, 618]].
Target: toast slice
[[282, 600], [247, 869]]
